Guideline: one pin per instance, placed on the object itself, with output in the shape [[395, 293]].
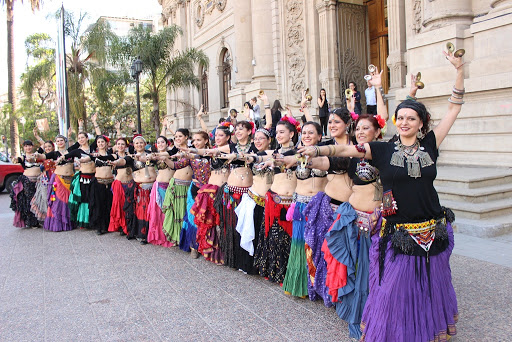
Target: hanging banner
[[61, 81]]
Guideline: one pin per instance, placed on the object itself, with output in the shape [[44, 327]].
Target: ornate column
[[440, 13], [243, 43], [329, 67], [397, 44]]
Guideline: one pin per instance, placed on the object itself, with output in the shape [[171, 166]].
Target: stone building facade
[[284, 46]]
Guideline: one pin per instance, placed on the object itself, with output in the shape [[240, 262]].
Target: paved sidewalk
[[77, 286]]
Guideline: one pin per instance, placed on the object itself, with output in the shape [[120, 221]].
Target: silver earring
[[420, 135]]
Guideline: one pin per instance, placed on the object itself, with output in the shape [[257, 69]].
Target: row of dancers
[[352, 221]]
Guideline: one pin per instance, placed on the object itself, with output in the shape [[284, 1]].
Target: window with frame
[[204, 88], [226, 78]]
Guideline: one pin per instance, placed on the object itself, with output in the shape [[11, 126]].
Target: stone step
[[484, 228], [475, 195], [472, 177], [484, 210]]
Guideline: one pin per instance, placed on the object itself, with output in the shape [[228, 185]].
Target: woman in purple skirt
[[411, 295]]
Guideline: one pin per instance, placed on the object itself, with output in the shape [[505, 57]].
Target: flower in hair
[[380, 121], [253, 130], [354, 116], [228, 125], [393, 118], [292, 120]]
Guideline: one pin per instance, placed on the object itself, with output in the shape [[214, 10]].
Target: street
[[77, 286]]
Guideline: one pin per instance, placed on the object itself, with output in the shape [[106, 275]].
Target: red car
[[9, 173]]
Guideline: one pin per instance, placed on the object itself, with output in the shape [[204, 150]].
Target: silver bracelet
[[455, 96], [455, 102]]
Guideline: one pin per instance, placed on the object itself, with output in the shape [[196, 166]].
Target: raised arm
[[38, 138], [70, 136], [118, 130], [201, 121], [305, 108], [456, 100], [376, 82], [268, 112], [94, 119], [414, 88]]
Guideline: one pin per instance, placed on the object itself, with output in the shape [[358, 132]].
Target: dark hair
[[165, 139], [320, 94], [245, 124], [372, 120], [248, 104], [354, 83], [101, 137], [184, 131], [28, 143], [85, 134], [303, 119], [343, 114], [419, 108], [50, 142], [291, 128], [123, 139], [276, 106], [255, 99], [225, 130], [221, 120], [315, 124], [205, 136]]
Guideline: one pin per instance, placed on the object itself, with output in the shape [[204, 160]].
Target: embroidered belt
[[423, 233], [181, 182], [366, 221], [105, 180], [260, 200], [237, 189], [301, 198], [146, 186], [285, 200]]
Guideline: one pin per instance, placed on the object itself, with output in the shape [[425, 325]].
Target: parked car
[[9, 173]]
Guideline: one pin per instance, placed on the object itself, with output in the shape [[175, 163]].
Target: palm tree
[[163, 65], [11, 79]]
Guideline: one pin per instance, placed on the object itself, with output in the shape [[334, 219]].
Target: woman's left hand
[[288, 161], [456, 61], [309, 151], [376, 80]]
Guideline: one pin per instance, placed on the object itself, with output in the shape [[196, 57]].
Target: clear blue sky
[[27, 23]]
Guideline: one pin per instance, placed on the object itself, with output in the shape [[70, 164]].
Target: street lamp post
[[135, 71]]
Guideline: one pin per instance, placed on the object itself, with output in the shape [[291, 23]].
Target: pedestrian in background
[[371, 99], [323, 111]]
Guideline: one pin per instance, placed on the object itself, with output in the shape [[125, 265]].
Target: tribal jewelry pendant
[[414, 157]]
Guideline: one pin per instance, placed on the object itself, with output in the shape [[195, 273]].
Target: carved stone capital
[[323, 5]]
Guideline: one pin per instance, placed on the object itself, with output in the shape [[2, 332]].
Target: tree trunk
[[155, 114], [11, 80]]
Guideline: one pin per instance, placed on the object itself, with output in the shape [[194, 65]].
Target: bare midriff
[[184, 174], [339, 187], [284, 184], [65, 170], [310, 186], [124, 175], [219, 177], [362, 197], [241, 176], [164, 175], [32, 172], [88, 167], [104, 172], [260, 185], [145, 175]]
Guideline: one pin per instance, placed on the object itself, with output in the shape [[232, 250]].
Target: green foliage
[[162, 65]]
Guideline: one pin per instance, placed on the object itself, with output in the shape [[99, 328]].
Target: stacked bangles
[[457, 94]]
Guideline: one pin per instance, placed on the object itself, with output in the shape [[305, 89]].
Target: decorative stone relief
[[417, 14], [296, 61], [221, 4], [199, 15], [206, 7]]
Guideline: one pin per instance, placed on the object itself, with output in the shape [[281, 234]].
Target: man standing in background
[[371, 99], [256, 111]]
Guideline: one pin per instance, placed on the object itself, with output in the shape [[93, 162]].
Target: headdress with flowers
[[227, 125], [380, 119], [292, 120]]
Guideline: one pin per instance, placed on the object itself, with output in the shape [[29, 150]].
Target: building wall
[[283, 46]]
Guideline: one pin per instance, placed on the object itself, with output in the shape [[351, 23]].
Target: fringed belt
[[421, 238], [301, 198], [259, 200], [146, 186], [182, 182], [85, 178], [237, 189], [335, 204]]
